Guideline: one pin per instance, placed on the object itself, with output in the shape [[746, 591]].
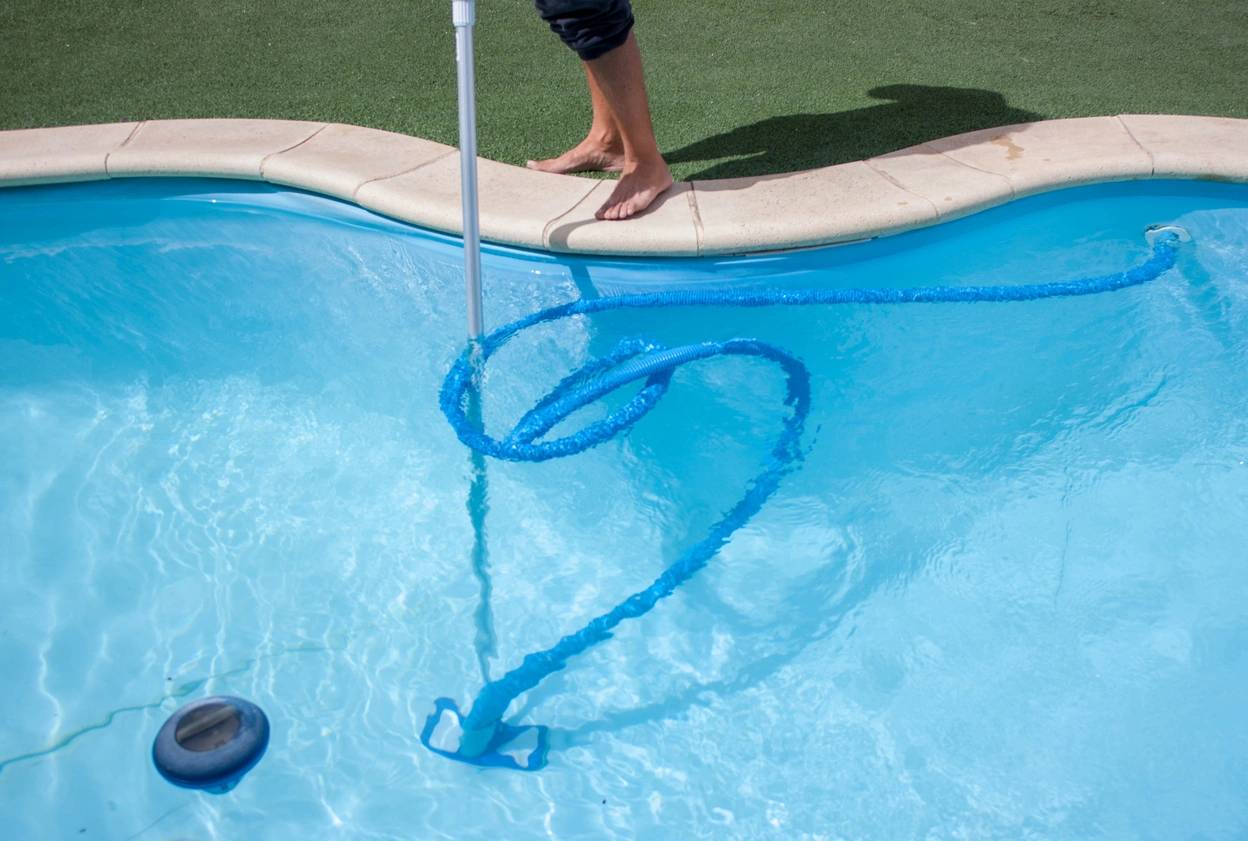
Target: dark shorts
[[591, 28]]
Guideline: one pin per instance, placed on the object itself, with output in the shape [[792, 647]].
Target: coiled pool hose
[[483, 737]]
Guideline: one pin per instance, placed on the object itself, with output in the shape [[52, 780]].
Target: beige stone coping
[[417, 181]]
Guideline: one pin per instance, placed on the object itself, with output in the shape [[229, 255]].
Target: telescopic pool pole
[[464, 17]]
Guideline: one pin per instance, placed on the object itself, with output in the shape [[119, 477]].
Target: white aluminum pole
[[464, 17]]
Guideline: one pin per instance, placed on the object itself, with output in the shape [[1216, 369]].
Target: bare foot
[[590, 155], [636, 190]]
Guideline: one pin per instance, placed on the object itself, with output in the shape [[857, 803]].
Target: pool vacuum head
[[520, 748], [211, 743]]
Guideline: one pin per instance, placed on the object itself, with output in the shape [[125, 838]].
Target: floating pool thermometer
[[211, 744]]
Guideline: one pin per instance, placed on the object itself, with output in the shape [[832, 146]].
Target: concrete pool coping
[[417, 180]]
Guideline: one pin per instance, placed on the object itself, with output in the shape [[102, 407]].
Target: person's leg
[[644, 175], [621, 136], [602, 150]]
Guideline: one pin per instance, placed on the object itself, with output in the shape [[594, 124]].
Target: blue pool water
[[1003, 596]]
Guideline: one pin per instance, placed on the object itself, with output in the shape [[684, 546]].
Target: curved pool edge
[[417, 181]]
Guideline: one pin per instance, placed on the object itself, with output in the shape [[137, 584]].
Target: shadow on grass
[[912, 114]]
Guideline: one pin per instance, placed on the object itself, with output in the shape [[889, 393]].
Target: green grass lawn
[[737, 88]]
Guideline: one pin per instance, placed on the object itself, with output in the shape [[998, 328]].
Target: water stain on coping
[[1012, 149]]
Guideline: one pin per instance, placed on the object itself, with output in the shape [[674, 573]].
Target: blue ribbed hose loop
[[637, 359]]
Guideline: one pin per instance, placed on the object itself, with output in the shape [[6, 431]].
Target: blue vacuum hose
[[481, 737]]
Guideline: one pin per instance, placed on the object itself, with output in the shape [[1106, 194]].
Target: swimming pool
[[1002, 596]]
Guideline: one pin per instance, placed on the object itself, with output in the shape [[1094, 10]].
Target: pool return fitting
[[480, 736]]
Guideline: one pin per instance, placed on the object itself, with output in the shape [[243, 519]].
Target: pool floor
[[1002, 596]]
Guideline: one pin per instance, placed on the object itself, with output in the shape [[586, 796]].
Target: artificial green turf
[[737, 88]]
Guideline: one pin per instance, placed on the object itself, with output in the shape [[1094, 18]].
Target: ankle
[[644, 163], [605, 139]]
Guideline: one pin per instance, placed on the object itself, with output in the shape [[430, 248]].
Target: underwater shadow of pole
[[908, 115], [485, 643]]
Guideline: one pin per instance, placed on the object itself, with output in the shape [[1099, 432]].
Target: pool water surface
[[1002, 596]]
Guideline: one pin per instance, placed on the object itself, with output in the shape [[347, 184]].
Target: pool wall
[[417, 181]]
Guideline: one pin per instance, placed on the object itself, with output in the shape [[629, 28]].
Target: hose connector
[[1155, 232], [463, 13]]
